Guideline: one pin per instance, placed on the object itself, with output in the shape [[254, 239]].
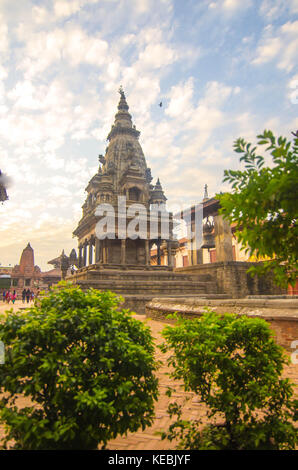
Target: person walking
[[4, 295], [14, 297], [28, 294], [32, 296], [24, 295], [7, 296]]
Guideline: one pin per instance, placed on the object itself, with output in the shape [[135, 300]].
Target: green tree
[[87, 366], [263, 205], [234, 366]]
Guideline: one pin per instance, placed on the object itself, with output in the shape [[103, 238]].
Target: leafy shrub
[[263, 205], [234, 365], [87, 366]]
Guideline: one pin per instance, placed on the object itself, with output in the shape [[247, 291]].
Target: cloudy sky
[[223, 69]]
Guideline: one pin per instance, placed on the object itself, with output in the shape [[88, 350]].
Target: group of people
[[27, 296], [8, 296]]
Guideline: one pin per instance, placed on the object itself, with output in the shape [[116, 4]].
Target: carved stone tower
[[123, 176]]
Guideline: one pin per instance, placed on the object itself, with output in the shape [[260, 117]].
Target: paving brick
[[193, 409]]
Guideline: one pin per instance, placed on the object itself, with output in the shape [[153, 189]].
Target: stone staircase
[[139, 286]]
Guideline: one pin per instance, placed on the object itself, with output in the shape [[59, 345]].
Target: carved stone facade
[[123, 172], [122, 263]]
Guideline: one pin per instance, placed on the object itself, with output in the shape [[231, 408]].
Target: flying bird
[[160, 104]]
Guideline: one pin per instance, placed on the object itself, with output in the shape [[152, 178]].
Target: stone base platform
[[138, 285], [281, 313], [232, 278]]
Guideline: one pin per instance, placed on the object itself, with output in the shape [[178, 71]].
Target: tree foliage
[[234, 366], [263, 205], [87, 367]]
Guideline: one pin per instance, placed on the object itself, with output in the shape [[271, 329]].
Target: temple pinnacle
[[121, 91]]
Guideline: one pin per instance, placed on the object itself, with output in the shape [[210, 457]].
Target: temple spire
[[122, 103], [123, 122], [157, 194]]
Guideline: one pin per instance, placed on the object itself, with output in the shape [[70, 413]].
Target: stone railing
[[280, 313]]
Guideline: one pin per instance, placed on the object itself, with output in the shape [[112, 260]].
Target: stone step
[[153, 291], [142, 275], [145, 282], [123, 283]]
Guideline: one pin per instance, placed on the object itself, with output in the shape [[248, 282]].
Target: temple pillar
[[169, 251], [158, 243], [123, 251], [85, 254], [147, 252], [165, 251], [97, 250], [90, 251], [80, 256], [223, 239], [199, 256], [105, 251]]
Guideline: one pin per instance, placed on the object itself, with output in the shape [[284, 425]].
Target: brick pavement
[[192, 409]]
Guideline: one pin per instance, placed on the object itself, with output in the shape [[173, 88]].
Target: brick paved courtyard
[[193, 409]]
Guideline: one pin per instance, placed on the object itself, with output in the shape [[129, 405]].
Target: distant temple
[[72, 260], [27, 275]]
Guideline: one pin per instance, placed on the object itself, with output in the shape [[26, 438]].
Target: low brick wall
[[281, 314], [232, 278]]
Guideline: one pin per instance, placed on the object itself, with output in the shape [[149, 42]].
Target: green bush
[[87, 366], [234, 365]]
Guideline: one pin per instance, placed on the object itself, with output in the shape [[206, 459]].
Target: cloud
[[181, 99], [63, 8], [272, 9], [229, 6], [268, 50], [157, 55], [278, 43], [72, 45], [4, 41]]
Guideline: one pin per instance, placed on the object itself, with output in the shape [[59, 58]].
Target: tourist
[[23, 295], [4, 296], [7, 296], [14, 297], [32, 296], [28, 295]]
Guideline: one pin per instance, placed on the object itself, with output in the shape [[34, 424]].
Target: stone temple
[[116, 261]]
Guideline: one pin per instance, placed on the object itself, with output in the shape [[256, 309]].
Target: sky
[[222, 69]]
